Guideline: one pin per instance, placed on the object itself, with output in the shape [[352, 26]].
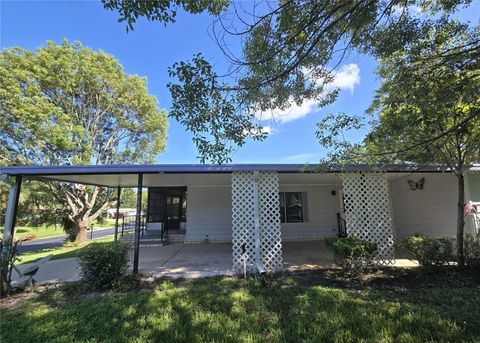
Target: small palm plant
[[8, 256]]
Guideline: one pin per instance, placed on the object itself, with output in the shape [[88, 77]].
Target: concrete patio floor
[[178, 260]]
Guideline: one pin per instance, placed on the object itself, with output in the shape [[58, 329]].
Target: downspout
[[256, 216]]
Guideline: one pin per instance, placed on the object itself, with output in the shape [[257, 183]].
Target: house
[[122, 212], [256, 207]]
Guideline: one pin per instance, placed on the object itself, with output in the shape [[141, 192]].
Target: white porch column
[[12, 205], [368, 211], [255, 207]]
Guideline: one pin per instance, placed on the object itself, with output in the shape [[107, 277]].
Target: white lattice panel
[[270, 230], [243, 232], [368, 212]]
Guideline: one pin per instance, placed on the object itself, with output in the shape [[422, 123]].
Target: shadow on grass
[[234, 310]]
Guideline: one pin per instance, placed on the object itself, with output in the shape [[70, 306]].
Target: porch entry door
[[168, 206], [173, 211]]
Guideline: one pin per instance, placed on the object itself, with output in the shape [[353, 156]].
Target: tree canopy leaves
[[66, 104], [290, 50]]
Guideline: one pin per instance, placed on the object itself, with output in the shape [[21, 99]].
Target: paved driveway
[[64, 270]]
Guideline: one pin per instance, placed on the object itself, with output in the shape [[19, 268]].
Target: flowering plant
[[470, 208]]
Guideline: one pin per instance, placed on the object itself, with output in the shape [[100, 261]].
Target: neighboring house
[[122, 212], [256, 207]]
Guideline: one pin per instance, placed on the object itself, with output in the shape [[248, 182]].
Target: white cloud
[[265, 129], [270, 130], [294, 112], [347, 77]]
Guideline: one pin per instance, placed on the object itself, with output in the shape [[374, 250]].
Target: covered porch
[[277, 215]]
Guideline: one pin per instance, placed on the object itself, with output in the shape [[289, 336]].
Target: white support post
[[256, 234], [368, 211], [12, 205]]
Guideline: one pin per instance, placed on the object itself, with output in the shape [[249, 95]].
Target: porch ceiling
[[163, 180], [195, 174]]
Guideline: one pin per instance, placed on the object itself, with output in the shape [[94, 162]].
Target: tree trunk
[[460, 219], [81, 226]]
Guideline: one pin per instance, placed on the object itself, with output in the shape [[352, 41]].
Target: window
[[167, 203], [156, 206], [291, 207]]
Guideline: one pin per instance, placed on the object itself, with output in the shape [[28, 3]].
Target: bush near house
[[352, 253], [103, 266], [472, 252], [430, 251]]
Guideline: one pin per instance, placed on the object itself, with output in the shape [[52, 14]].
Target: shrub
[[472, 252], [352, 253], [104, 265], [8, 256], [430, 251]]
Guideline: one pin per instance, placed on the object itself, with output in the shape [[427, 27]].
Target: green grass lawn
[[63, 251], [291, 309], [38, 232]]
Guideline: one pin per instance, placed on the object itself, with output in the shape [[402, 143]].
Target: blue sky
[[151, 48]]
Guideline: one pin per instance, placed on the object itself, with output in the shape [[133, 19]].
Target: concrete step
[[145, 240], [149, 240], [176, 238]]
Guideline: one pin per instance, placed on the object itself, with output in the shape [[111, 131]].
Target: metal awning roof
[[126, 175]]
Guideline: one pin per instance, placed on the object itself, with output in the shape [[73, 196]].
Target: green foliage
[[352, 253], [289, 53], [430, 251], [104, 265], [199, 104], [163, 11], [472, 252], [8, 256], [65, 104]]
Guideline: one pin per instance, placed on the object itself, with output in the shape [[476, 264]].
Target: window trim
[[283, 195]]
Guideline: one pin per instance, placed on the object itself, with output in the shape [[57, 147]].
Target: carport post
[[119, 192], [12, 206], [137, 224]]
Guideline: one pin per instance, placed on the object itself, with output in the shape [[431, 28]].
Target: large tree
[[289, 52], [427, 109], [66, 104]]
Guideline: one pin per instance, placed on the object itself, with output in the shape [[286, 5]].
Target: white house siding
[[431, 211], [209, 213], [320, 218]]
